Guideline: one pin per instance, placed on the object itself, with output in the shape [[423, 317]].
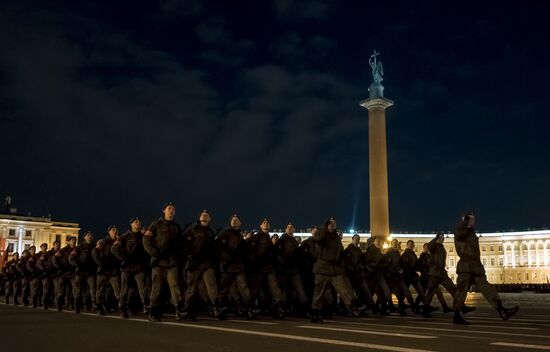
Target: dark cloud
[[111, 110], [301, 10]]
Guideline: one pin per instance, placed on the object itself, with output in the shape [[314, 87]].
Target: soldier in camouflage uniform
[[329, 271], [233, 251], [108, 268], [162, 241], [128, 248], [199, 243], [471, 272], [355, 271], [262, 270], [287, 265], [85, 271], [49, 274]]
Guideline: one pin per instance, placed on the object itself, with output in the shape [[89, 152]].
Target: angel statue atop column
[[377, 69]]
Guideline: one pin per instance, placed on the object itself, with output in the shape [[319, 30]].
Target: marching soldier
[[354, 269], [308, 252], [262, 270], [409, 264], [200, 246], [437, 274], [35, 273], [85, 271], [471, 272], [49, 273], [232, 251], [128, 249], [108, 268], [24, 275], [372, 262], [288, 265], [329, 271], [424, 269], [394, 277], [66, 274], [162, 241], [12, 279]]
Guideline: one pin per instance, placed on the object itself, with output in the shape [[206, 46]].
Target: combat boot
[[374, 309], [154, 316], [426, 312], [252, 313], [466, 309], [185, 313], [446, 309], [124, 312], [457, 319], [506, 313], [383, 311], [316, 317], [277, 312], [219, 312], [358, 310], [146, 306], [7, 299], [100, 309]]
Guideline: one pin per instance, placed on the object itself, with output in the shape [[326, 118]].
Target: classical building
[[18, 232], [509, 257]]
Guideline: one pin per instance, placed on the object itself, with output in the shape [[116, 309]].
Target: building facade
[[18, 232]]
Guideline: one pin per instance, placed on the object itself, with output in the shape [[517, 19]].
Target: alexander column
[[376, 104]]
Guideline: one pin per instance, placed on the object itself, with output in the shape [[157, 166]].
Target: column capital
[[376, 103]]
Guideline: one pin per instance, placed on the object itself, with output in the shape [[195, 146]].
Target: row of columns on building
[[509, 246]]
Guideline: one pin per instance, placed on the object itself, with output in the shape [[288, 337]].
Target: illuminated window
[[532, 246], [484, 248], [501, 261], [452, 262], [492, 261], [524, 247], [492, 248], [484, 262], [500, 248], [28, 233], [12, 233], [451, 249]]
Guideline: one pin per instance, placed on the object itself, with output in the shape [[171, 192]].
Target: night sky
[[108, 109]]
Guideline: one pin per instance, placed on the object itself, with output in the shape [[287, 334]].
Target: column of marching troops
[[196, 270]]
